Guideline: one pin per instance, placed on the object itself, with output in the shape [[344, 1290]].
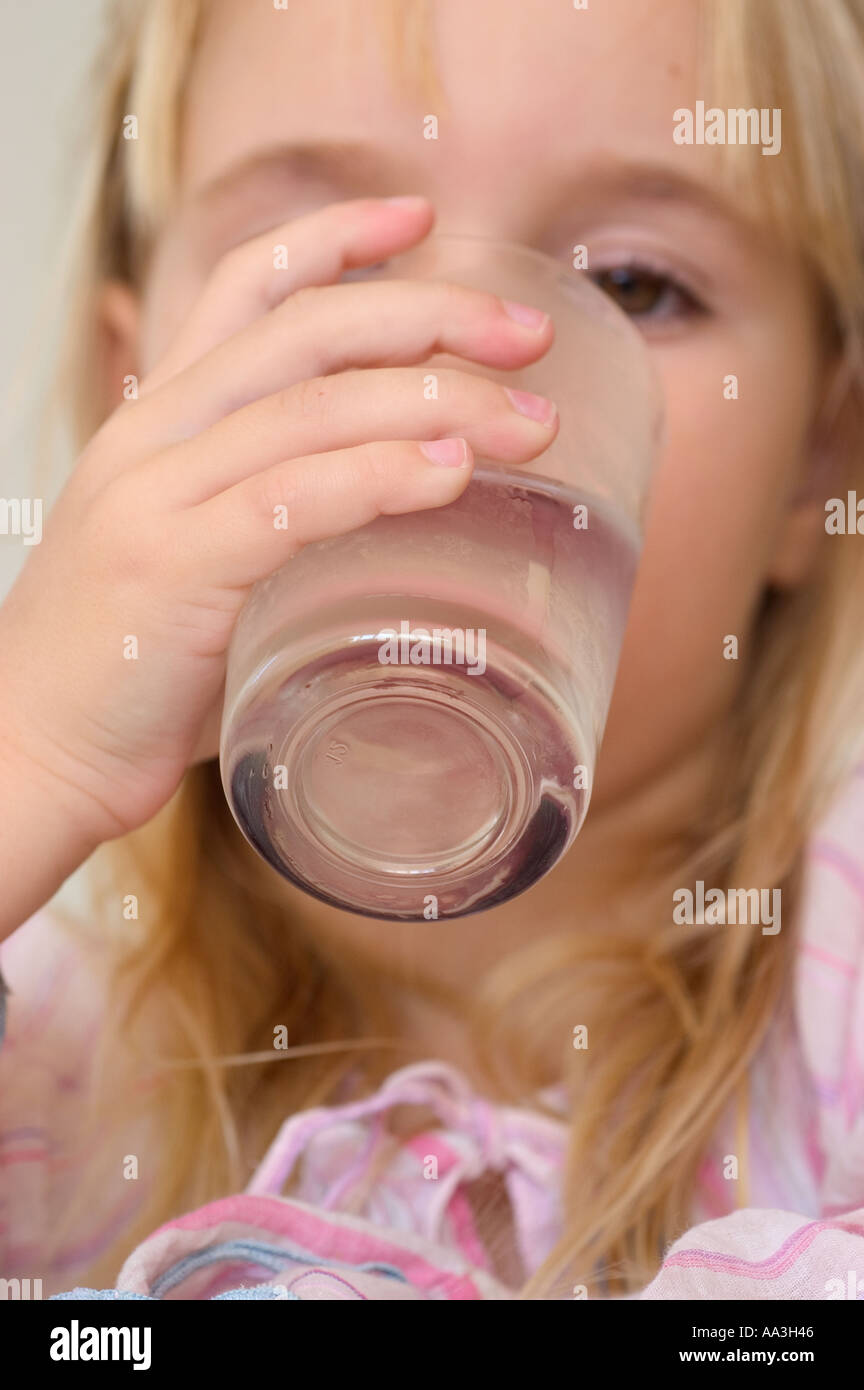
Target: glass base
[[414, 796]]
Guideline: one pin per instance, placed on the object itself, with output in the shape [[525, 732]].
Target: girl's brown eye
[[645, 293]]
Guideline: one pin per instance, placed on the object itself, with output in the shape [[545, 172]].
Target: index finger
[[316, 249]]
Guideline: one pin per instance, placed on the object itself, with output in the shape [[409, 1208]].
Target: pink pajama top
[[411, 1234]]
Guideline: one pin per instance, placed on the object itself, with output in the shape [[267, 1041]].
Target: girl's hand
[[313, 403]]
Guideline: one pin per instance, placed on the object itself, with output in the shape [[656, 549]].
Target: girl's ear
[[118, 321], [834, 437]]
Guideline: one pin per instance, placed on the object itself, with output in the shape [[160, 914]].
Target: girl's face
[[557, 130]]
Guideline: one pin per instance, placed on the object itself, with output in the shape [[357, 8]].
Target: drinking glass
[[413, 710]]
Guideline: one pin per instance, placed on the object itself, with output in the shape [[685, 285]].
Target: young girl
[[305, 1101]]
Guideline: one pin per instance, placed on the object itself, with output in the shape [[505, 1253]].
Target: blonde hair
[[218, 963]]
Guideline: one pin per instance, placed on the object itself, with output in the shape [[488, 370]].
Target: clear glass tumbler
[[413, 710]]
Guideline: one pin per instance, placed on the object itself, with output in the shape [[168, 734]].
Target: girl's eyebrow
[[362, 167], [346, 162], [659, 183]]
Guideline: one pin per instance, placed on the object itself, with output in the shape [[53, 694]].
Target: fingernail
[[447, 453], [535, 407], [526, 314], [405, 200]]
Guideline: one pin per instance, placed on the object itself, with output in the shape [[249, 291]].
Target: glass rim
[[514, 249], [575, 285]]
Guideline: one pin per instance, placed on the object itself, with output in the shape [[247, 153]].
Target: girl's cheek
[[716, 510], [735, 428]]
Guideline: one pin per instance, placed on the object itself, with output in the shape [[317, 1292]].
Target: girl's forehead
[[509, 83]]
